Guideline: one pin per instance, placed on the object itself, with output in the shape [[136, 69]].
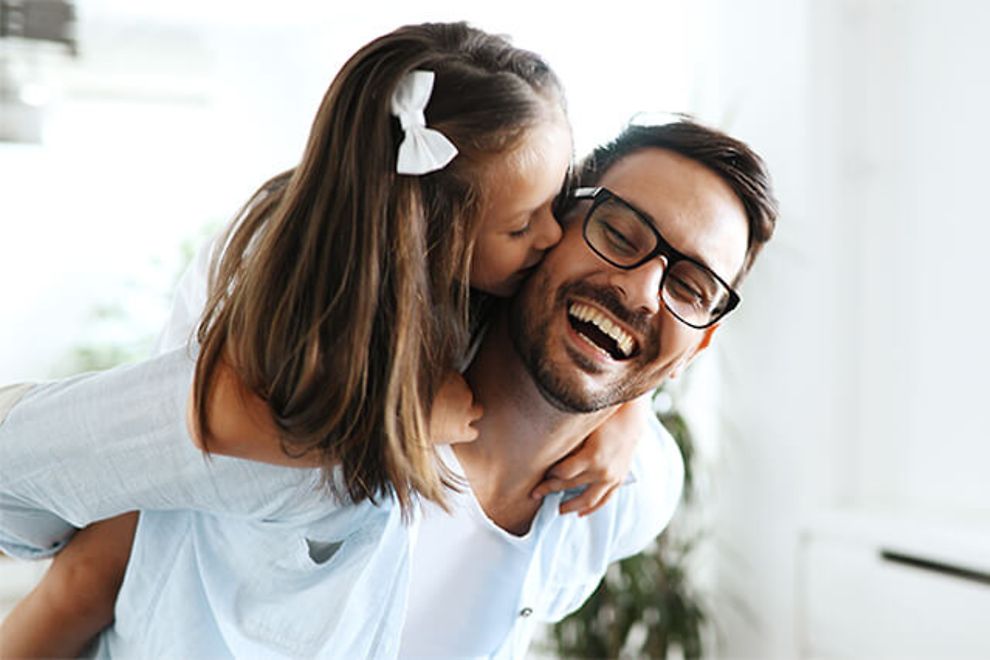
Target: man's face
[[575, 314]]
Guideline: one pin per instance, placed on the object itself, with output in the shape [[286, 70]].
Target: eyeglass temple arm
[[585, 193]]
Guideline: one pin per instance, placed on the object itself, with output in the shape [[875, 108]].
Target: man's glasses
[[626, 237]]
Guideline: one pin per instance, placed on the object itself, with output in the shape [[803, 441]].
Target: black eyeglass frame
[[598, 196]]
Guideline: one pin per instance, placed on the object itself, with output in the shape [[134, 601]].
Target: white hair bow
[[423, 149]]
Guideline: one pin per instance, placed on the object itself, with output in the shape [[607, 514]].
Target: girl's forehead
[[534, 171]]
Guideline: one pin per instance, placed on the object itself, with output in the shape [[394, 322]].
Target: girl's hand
[[602, 461], [454, 411]]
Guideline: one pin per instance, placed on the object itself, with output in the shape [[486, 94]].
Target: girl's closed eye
[[517, 225], [521, 231]]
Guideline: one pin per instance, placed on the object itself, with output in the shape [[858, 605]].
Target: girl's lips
[[533, 263]]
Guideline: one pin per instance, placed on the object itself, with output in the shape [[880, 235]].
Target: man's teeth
[[589, 314]]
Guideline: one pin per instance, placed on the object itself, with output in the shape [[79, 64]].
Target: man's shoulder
[[648, 498], [638, 512], [626, 525], [658, 467]]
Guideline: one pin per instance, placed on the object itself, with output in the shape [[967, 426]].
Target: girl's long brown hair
[[340, 297]]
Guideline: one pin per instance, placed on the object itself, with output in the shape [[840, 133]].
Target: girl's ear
[[703, 343]]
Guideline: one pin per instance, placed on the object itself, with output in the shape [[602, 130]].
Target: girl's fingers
[[554, 485], [601, 502], [586, 500], [570, 468]]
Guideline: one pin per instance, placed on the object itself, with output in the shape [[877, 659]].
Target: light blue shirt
[[205, 586], [209, 586], [231, 558], [96, 445]]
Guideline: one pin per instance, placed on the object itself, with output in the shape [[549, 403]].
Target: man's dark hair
[[732, 160]]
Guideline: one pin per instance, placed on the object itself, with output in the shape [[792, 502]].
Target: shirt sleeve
[[97, 445], [649, 502], [52, 480], [189, 301]]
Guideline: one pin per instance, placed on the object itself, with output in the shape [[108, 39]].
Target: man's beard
[[530, 318]]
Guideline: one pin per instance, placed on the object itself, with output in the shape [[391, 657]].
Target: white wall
[[927, 349], [150, 140], [853, 374]]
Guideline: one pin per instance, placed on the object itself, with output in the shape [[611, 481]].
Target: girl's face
[[517, 226]]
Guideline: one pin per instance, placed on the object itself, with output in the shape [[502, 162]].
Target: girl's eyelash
[[520, 232]]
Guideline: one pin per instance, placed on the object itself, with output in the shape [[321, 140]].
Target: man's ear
[[703, 343], [706, 339]]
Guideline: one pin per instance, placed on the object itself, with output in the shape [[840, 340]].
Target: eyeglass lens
[[689, 291]]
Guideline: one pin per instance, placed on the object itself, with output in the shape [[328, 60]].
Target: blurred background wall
[[853, 383], [841, 406]]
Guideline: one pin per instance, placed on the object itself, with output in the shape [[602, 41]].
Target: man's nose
[[640, 286], [547, 231]]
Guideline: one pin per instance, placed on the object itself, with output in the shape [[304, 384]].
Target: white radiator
[[889, 585]]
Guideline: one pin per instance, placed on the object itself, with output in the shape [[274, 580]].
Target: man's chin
[[568, 401], [570, 379], [582, 362], [573, 390]]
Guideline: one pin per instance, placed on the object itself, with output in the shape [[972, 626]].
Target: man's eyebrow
[[656, 227], [649, 218]]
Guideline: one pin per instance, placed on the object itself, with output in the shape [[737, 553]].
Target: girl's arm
[[241, 425], [75, 599], [602, 461]]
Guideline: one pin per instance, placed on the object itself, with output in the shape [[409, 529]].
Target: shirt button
[[525, 612]]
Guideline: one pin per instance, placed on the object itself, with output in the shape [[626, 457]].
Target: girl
[[339, 307]]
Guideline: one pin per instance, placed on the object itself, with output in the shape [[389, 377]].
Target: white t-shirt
[[478, 591], [466, 575]]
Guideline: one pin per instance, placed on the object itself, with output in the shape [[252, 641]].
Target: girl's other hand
[[601, 462], [454, 412]]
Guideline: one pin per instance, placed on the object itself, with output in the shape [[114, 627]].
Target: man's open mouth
[[601, 331]]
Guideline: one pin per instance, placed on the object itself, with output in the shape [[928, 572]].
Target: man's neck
[[520, 435]]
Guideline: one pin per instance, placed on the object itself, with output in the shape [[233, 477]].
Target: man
[[634, 291]]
